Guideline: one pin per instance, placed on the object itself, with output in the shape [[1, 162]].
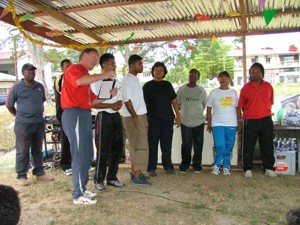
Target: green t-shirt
[[192, 102]]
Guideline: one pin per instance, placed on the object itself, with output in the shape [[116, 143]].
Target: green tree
[[17, 44], [208, 60], [55, 57]]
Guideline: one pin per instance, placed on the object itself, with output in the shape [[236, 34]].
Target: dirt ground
[[172, 199]]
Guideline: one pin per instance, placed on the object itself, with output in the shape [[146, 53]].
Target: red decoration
[[136, 49], [201, 17], [293, 48], [5, 12], [267, 48], [190, 47], [54, 33], [172, 46]]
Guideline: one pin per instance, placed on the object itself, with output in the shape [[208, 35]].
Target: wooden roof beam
[[64, 19], [40, 31], [100, 6], [243, 16]]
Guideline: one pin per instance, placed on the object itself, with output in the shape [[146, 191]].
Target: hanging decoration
[[261, 4], [187, 46], [136, 49], [172, 46], [128, 38], [269, 15], [148, 28], [293, 48], [267, 48], [118, 21], [54, 33], [201, 17], [39, 42], [214, 43], [69, 35], [26, 17], [5, 11], [42, 25], [190, 48], [174, 23], [121, 48], [233, 14]]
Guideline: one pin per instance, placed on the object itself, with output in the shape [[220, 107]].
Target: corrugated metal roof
[[155, 20]]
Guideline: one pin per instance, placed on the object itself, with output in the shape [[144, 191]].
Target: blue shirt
[[30, 102]]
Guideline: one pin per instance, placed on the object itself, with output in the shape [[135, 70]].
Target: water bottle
[[293, 144], [278, 145]]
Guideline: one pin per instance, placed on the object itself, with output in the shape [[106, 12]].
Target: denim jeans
[[224, 138], [191, 137], [29, 136]]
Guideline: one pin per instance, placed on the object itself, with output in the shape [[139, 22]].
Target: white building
[[280, 65]]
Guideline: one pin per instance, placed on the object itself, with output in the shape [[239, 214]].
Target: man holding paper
[[109, 128], [77, 100]]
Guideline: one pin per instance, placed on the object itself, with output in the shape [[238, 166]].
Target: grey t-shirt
[[192, 102], [30, 102]]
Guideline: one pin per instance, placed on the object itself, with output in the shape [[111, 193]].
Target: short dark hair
[[293, 216], [159, 64], [133, 59], [104, 58], [87, 50], [195, 70], [224, 73], [260, 66], [64, 61], [10, 208]]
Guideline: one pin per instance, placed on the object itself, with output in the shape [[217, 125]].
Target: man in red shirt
[[77, 100], [256, 100]]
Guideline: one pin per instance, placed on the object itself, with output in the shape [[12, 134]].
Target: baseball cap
[[28, 66]]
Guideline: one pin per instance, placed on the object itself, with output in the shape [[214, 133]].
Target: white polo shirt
[[95, 87], [132, 90]]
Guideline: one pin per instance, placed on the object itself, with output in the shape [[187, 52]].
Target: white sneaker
[[215, 170], [270, 173], [82, 200], [226, 172], [248, 174], [90, 194], [68, 172]]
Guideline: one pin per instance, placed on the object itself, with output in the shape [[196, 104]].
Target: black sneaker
[[141, 180], [100, 186], [152, 173], [115, 183], [170, 172], [182, 170], [132, 176]]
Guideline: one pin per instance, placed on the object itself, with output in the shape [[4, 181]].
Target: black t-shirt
[[158, 96]]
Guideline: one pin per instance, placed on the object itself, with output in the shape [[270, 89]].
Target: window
[[291, 69], [239, 80], [268, 60], [289, 58], [239, 61], [254, 59]]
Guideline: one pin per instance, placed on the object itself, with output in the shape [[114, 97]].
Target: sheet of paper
[[106, 86]]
